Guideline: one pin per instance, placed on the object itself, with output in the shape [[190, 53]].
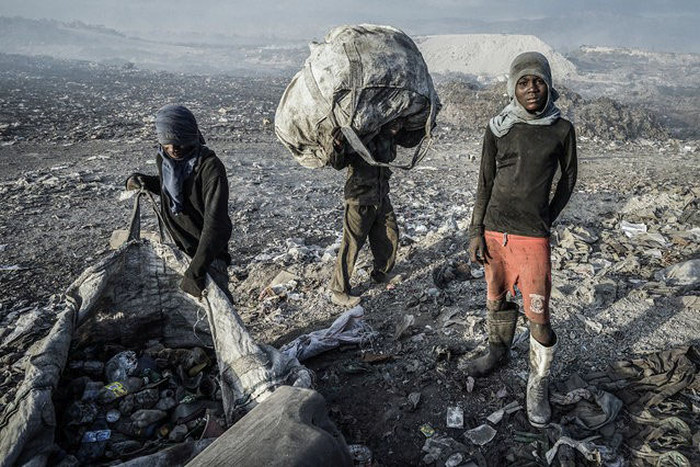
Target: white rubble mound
[[486, 55]]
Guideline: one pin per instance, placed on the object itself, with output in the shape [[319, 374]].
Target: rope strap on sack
[[135, 222], [360, 148]]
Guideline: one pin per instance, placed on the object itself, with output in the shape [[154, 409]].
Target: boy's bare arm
[[569, 170]]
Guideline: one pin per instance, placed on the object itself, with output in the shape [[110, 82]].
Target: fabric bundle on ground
[[348, 328], [360, 78], [638, 412]]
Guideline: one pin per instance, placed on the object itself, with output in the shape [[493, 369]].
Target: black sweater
[[203, 228], [516, 177]]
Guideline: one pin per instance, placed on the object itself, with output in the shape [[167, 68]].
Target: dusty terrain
[[71, 132]]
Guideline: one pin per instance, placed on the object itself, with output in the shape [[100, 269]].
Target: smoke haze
[[656, 25]]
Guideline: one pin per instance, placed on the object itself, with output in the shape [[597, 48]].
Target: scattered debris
[[455, 417], [403, 325], [348, 328], [414, 399], [482, 434], [427, 430]]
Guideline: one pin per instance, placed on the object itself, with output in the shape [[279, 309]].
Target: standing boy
[[509, 233], [368, 210]]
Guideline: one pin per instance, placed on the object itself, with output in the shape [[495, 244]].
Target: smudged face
[[531, 92], [178, 152]]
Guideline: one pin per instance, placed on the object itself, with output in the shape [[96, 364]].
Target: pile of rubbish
[[639, 256], [117, 406]]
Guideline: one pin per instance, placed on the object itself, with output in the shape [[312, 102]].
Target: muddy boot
[[501, 329], [538, 410]]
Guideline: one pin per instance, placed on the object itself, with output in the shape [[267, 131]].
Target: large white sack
[[360, 77]]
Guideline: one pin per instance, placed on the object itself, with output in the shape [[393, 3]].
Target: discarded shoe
[[346, 300]]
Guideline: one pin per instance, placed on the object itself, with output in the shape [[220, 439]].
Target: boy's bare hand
[[478, 253]]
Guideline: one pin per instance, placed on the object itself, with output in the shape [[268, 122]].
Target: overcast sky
[[656, 24]]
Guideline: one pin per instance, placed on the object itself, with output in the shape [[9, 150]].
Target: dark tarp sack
[[360, 78], [129, 297], [289, 429]]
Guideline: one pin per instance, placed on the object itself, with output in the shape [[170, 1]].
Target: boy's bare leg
[[542, 333]]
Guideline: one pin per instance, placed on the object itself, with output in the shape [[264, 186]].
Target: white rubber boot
[[538, 410]]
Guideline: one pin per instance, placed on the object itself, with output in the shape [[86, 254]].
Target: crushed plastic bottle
[[113, 416], [96, 436], [121, 366], [111, 392]]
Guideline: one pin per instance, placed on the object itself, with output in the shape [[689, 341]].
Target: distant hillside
[[663, 68], [486, 55], [78, 41], [666, 83]]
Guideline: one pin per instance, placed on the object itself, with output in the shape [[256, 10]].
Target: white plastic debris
[[414, 399], [406, 322], [455, 417], [481, 435], [632, 230], [496, 417], [348, 328], [686, 273], [470, 384], [454, 460], [585, 447]]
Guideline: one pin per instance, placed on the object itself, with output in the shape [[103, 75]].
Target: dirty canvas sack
[[358, 79], [128, 298]]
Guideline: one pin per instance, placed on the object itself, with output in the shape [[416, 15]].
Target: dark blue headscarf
[[175, 124]]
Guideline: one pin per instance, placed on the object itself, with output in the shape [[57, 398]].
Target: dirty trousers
[[378, 222], [522, 261]]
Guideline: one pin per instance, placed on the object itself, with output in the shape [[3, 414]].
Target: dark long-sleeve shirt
[[516, 177], [203, 228], [365, 183]]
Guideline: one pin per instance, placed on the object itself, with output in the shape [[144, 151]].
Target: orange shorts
[[522, 261]]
